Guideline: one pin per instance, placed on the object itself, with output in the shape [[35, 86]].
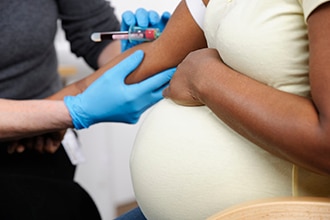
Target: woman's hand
[[190, 77]]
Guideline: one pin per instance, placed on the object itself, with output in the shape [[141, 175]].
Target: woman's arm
[[287, 125], [180, 36]]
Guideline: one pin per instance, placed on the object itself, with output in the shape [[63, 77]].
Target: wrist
[[66, 116], [73, 112], [204, 87]]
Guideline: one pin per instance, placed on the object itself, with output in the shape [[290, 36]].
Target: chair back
[[286, 208]]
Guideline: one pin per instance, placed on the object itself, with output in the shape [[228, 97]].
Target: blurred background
[[105, 173]]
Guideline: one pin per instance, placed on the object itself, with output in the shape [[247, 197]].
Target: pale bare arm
[[32, 117]]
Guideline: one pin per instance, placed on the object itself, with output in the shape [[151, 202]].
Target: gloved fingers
[[165, 17], [157, 94], [128, 19], [135, 118], [157, 81], [142, 18], [154, 97], [163, 20], [126, 66], [125, 45], [153, 18], [152, 89]]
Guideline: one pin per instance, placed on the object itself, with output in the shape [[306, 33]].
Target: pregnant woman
[[260, 127], [247, 114]]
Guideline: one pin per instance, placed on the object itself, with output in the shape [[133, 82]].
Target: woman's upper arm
[[180, 36]]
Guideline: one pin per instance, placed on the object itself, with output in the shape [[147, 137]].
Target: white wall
[[105, 174]]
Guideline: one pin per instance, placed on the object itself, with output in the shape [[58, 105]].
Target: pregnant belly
[[187, 164]]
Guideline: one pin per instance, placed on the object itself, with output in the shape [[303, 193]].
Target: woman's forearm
[[292, 126], [288, 125], [165, 52], [284, 124]]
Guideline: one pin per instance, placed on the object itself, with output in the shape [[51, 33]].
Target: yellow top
[[188, 164]]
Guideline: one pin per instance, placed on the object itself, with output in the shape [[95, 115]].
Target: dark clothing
[[37, 186], [33, 163], [36, 198]]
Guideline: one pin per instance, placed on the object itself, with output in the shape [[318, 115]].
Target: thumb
[[166, 16]]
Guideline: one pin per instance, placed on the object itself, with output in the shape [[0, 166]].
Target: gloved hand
[[142, 18], [109, 99]]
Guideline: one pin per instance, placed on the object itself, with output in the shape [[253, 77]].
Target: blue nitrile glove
[[142, 18], [109, 99]]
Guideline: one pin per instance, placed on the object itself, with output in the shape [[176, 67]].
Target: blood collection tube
[[133, 34]]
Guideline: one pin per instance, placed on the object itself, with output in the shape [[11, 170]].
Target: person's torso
[[189, 153], [28, 64]]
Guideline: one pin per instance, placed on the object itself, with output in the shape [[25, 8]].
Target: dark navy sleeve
[[80, 18]]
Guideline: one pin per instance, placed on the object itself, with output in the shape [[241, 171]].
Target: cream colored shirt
[[266, 40], [188, 164]]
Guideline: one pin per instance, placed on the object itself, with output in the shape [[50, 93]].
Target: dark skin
[[289, 126]]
